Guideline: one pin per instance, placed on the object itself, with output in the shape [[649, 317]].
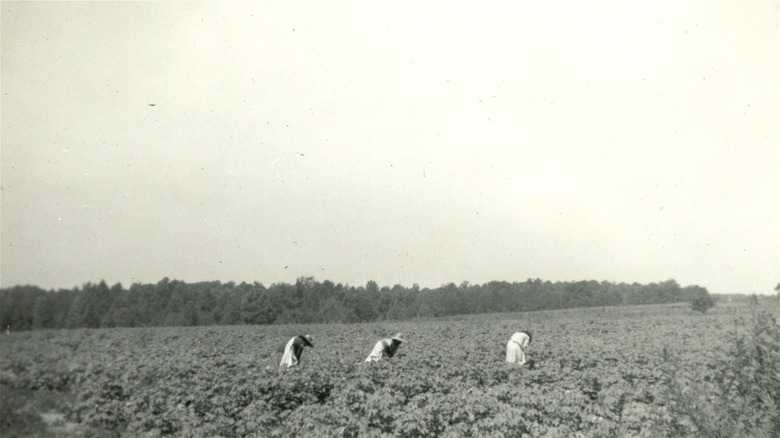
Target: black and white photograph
[[390, 219]]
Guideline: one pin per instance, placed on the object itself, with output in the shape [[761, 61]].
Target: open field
[[598, 372]]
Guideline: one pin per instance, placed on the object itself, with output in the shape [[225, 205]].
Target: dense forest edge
[[177, 303]]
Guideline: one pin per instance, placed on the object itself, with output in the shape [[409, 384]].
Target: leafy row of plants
[[597, 374]]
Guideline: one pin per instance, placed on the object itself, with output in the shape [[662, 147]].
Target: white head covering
[[521, 339]]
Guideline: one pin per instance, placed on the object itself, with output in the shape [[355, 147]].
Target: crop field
[[598, 372]]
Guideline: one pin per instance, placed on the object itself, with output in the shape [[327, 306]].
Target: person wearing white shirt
[[294, 349], [517, 346], [385, 348]]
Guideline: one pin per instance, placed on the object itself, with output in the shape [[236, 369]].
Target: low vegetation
[[620, 371]]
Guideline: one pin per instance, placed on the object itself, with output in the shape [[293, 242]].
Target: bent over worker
[[385, 348], [294, 349], [517, 346]]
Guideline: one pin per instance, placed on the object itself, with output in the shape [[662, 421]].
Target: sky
[[399, 142]]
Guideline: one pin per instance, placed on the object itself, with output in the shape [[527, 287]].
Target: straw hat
[[398, 337], [307, 340]]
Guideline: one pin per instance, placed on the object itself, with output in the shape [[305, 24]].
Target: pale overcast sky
[[400, 142]]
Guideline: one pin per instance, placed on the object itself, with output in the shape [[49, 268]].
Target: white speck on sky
[[401, 142]]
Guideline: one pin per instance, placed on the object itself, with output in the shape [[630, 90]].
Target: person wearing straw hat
[[517, 346], [385, 348], [294, 349]]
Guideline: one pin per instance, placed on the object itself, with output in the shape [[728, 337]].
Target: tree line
[[177, 303]]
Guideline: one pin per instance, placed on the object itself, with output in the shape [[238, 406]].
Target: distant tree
[[44, 312], [75, 316], [364, 301], [777, 296], [397, 311], [177, 303], [699, 298], [333, 311], [256, 307], [17, 306], [231, 310]]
